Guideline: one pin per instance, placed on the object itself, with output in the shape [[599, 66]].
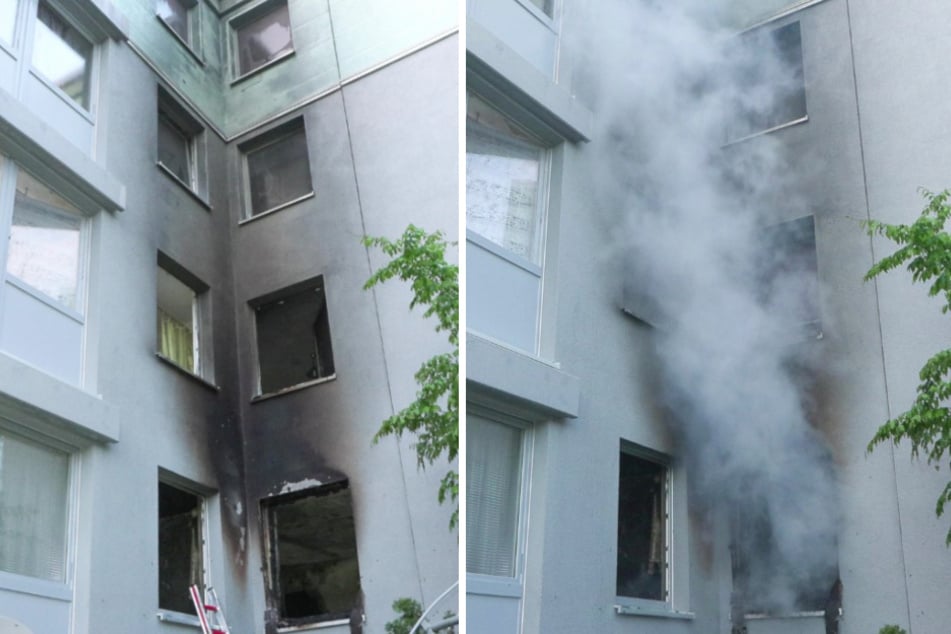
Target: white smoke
[[687, 203]]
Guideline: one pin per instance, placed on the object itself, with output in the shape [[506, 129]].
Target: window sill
[[274, 210], [262, 67], [185, 44], [659, 611], [294, 388], [161, 357], [781, 126], [178, 618], [191, 192]]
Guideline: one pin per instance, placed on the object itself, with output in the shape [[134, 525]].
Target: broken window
[[312, 554], [642, 528], [293, 335], [770, 81], [181, 547], [789, 274]]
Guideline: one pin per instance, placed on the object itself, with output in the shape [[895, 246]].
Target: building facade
[[192, 373], [673, 363]]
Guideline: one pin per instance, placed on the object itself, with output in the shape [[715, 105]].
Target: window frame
[[11, 45], [203, 342], [271, 554], [640, 604], [57, 8], [202, 494], [189, 128], [192, 40], [496, 585], [309, 285], [57, 590], [245, 18], [262, 141]]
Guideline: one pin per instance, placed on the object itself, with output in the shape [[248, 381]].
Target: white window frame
[[502, 586], [187, 126], [203, 494], [62, 10], [202, 341], [260, 142], [60, 591], [245, 18]]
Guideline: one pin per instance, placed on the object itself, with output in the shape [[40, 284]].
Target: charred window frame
[[313, 573], [292, 330], [182, 551], [643, 527], [770, 69]]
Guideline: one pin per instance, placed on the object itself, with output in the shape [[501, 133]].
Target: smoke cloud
[[688, 199]]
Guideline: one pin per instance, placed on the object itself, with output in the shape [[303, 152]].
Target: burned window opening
[[293, 337], [181, 547], [788, 274], [643, 520], [313, 574]]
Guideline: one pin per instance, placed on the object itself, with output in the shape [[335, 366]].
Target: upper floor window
[[278, 168], [262, 36], [62, 54], [181, 145], [8, 15], [180, 16], [643, 528], [34, 507], [181, 551], [183, 321], [544, 5], [504, 177], [45, 249]]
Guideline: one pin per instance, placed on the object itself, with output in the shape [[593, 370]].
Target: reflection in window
[[33, 508], [493, 486], [175, 14], [8, 14], [175, 150], [279, 171], [264, 39], [62, 55], [503, 170], [642, 529], [44, 246]]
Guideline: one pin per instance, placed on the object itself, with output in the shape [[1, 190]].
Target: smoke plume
[[689, 191]]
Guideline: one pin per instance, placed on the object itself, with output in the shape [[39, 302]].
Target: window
[[181, 320], [643, 528], [180, 145], [62, 54], [34, 508], [179, 16], [544, 5], [8, 15], [262, 36], [313, 573], [180, 548], [278, 169], [293, 337], [771, 82], [789, 274], [493, 496], [45, 249], [504, 172]]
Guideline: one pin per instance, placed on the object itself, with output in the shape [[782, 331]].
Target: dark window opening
[[181, 561], [789, 274], [642, 529], [313, 572], [293, 333]]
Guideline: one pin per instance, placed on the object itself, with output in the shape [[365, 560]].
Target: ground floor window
[[643, 527], [181, 547]]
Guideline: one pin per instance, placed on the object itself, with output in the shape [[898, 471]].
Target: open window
[[293, 337], [643, 527], [261, 36], [181, 545], [313, 574], [182, 320]]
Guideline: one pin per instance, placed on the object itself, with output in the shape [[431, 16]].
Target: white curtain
[[33, 508], [493, 484]]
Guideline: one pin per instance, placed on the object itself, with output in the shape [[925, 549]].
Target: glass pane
[[180, 548], [503, 167], [44, 243], [264, 39], [8, 14], [641, 529], [34, 480], [493, 467], [174, 150], [175, 16], [279, 173], [62, 55]]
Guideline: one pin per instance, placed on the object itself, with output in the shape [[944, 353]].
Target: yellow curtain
[[175, 341]]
